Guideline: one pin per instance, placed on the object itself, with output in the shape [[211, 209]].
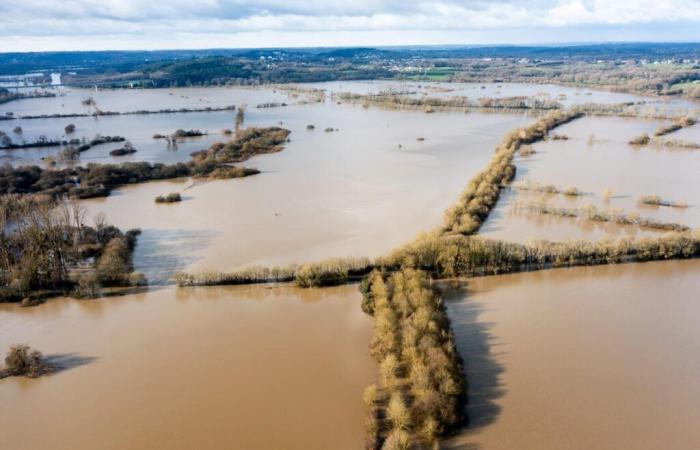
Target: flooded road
[[601, 357]]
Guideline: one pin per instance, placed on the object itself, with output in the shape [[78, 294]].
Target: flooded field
[[350, 192], [603, 358], [598, 158], [583, 358], [567, 96], [192, 368]]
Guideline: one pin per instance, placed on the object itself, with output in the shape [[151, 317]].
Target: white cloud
[[34, 24]]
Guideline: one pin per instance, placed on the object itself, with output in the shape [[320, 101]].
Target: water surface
[[603, 357], [246, 367]]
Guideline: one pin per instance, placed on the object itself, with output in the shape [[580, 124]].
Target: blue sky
[[31, 25]]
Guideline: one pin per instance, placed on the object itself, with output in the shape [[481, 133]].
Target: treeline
[[393, 100], [421, 386], [98, 180], [47, 249], [639, 109], [7, 96], [325, 273], [81, 145], [465, 256], [481, 195], [532, 186], [99, 112], [457, 255]]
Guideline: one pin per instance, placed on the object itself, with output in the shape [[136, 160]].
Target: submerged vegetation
[[47, 249], [421, 385], [173, 197], [642, 139], [462, 256], [476, 202], [98, 180], [126, 149], [655, 200], [326, 273], [99, 112], [22, 361], [683, 122], [532, 186], [393, 100], [592, 213]]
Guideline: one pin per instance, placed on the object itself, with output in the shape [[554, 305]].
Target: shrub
[[173, 197], [642, 139], [69, 129], [21, 360]]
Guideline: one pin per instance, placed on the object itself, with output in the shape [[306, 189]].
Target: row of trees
[[421, 386], [481, 195]]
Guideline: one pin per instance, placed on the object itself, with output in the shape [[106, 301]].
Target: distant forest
[[661, 68]]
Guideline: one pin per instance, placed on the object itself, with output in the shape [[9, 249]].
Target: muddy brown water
[[359, 191], [236, 367], [586, 358], [260, 367], [597, 157]]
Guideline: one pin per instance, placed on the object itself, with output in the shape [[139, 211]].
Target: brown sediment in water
[[592, 169], [234, 367], [358, 207], [603, 357]]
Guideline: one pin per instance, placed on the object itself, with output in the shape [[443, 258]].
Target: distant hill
[[122, 61]]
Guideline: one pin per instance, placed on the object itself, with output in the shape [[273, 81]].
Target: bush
[[642, 139], [23, 361], [170, 198]]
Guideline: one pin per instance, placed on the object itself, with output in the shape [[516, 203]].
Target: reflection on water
[[229, 367], [603, 357], [162, 253]]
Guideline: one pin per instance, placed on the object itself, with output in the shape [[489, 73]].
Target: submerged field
[[570, 358], [216, 367], [610, 174], [601, 357]]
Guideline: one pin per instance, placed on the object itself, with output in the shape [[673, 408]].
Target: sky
[[42, 25]]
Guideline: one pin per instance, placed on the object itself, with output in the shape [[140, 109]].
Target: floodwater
[[358, 191], [69, 100], [233, 367], [567, 96], [584, 358], [597, 157], [138, 129], [278, 367]]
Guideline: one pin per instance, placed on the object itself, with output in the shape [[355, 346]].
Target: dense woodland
[[666, 69]]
